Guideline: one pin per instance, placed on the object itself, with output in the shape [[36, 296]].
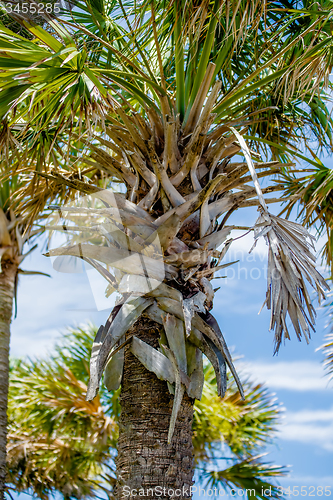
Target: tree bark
[[145, 459], [7, 283]]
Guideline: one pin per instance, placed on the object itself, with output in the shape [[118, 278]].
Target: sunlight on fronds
[[251, 475]]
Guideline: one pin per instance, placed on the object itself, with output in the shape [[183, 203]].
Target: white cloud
[[313, 427], [317, 480], [294, 375], [321, 436], [308, 426], [306, 481], [306, 416]]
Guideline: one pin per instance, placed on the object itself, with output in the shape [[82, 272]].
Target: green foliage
[[244, 426], [67, 77], [57, 440], [312, 194], [249, 475], [77, 67]]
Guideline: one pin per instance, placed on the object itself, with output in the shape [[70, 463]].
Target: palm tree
[[9, 267], [163, 106], [66, 444], [49, 418], [15, 232], [17, 229], [12, 239]]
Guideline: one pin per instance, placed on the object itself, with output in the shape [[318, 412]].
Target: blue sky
[[305, 439]]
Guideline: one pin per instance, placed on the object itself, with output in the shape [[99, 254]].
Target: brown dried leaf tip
[[290, 263]]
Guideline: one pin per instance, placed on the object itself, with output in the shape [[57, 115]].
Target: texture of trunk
[[7, 281], [145, 459]]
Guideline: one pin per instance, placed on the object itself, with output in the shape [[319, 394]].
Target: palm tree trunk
[[145, 459], [7, 283]]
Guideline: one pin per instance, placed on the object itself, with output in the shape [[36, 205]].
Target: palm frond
[[313, 194], [245, 426], [57, 441], [251, 475]]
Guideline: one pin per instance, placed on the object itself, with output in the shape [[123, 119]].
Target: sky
[[46, 306]]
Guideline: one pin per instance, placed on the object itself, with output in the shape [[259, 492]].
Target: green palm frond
[[244, 426], [61, 79], [312, 193], [66, 69], [58, 441], [250, 475]]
